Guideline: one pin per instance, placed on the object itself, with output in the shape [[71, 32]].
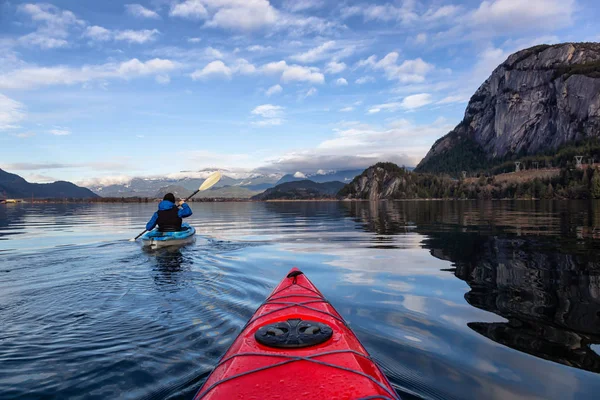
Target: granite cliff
[[538, 100]]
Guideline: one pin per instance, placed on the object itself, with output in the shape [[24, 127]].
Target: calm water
[[455, 300]]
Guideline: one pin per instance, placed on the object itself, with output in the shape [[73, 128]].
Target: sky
[[101, 91]]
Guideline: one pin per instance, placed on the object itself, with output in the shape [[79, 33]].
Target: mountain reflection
[[530, 263]]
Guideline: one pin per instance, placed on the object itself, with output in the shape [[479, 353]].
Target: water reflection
[[169, 263], [535, 264], [86, 312]]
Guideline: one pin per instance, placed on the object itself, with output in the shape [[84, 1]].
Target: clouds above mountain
[[286, 83]]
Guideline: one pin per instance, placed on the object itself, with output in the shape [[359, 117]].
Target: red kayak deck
[[338, 368]]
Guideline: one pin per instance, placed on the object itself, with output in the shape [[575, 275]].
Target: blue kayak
[[156, 239]]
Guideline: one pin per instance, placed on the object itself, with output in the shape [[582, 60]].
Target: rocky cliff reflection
[[530, 263]]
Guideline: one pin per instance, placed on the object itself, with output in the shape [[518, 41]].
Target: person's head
[[170, 197]]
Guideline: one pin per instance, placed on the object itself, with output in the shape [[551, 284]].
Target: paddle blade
[[211, 181]]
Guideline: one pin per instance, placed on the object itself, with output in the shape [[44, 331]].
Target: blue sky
[[105, 90]]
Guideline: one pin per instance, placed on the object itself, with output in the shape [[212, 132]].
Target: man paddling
[[169, 215]]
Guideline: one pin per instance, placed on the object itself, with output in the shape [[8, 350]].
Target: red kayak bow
[[296, 346]]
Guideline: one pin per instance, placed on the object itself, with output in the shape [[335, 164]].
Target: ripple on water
[[453, 299]]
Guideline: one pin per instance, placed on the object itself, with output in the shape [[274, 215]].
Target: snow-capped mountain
[[233, 183], [252, 182], [322, 176]]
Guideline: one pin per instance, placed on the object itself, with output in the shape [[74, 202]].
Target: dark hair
[[170, 197]]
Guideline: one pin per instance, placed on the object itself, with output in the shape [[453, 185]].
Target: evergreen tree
[[595, 189], [550, 192]]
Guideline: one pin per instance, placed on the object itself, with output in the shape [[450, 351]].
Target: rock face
[[381, 181], [539, 99]]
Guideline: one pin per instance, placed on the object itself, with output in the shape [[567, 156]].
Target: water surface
[[455, 300]]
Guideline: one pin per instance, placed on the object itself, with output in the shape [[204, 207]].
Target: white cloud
[[53, 25], [299, 175], [98, 33], [454, 99], [39, 178], [245, 15], [443, 12], [24, 135], [268, 111], [401, 141], [364, 79], [315, 54], [506, 16], [219, 68], [139, 11], [32, 77], [421, 38], [270, 114], [142, 36], [303, 5], [242, 66], [194, 40], [301, 26], [335, 67], [408, 103], [276, 89], [357, 145], [410, 71], [163, 79], [105, 181], [341, 82], [249, 15], [257, 48], [268, 122], [101, 34], [416, 101], [311, 92], [59, 132], [26, 166], [290, 73], [215, 68], [11, 112], [395, 106], [347, 109], [50, 15], [189, 9], [329, 49], [387, 12], [213, 53], [42, 41]]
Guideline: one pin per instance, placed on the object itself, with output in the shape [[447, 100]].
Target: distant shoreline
[[153, 201]]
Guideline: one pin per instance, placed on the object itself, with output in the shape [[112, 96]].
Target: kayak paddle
[[207, 184]]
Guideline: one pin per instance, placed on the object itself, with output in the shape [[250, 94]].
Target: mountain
[[225, 192], [301, 190], [537, 101], [13, 186], [322, 176], [389, 181], [185, 183], [238, 184]]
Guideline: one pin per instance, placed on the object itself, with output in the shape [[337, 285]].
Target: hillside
[[387, 181], [301, 190], [536, 102], [13, 186]]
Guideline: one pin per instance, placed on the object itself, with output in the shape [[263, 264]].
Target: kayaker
[[169, 215]]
